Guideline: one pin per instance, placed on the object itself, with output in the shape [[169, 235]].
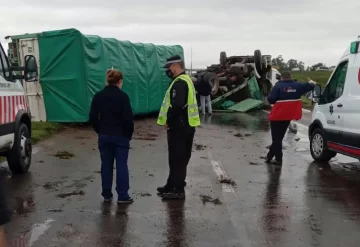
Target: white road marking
[[221, 174], [237, 217]]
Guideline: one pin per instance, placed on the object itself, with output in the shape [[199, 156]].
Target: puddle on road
[[32, 236]]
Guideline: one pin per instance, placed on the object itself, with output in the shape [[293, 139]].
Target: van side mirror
[[30, 69], [316, 93], [278, 77]]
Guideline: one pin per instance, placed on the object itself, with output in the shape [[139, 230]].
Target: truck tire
[[223, 58], [318, 147], [19, 157], [258, 61]]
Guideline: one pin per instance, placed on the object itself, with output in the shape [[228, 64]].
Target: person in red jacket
[[286, 98]]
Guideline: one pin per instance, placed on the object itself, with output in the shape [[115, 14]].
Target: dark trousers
[[114, 148], [278, 130], [180, 143]]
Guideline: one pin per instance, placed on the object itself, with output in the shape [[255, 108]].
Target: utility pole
[[191, 60]]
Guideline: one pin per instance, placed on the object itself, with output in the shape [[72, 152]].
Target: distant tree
[[292, 64], [301, 66], [279, 62], [315, 66]]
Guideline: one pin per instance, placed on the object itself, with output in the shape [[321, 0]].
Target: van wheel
[[318, 147], [19, 157]]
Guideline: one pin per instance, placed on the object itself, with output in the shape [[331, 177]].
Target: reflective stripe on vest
[[192, 106]]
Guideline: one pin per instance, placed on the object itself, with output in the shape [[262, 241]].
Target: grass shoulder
[[43, 130]]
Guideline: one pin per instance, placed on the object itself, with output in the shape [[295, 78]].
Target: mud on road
[[233, 197]]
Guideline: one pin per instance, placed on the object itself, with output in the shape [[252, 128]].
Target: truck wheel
[[223, 58], [318, 147], [258, 61], [19, 157]]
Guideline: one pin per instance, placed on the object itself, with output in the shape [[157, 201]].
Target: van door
[[330, 105], [350, 105], [33, 90]]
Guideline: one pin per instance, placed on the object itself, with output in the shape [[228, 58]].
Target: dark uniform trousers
[[180, 142], [278, 130]]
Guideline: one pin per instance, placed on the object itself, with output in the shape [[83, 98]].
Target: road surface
[[301, 204]]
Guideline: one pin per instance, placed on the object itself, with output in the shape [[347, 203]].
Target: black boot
[[164, 189], [174, 195]]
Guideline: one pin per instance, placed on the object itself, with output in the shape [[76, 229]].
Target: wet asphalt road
[[301, 204]]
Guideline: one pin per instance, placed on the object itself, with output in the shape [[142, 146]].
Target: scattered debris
[[65, 155], [74, 193], [254, 163], [151, 175], [40, 161], [98, 172], [247, 135], [206, 199], [203, 157], [297, 139], [82, 138], [228, 181], [146, 194], [238, 135], [200, 147], [145, 136], [59, 210], [51, 185], [24, 205]]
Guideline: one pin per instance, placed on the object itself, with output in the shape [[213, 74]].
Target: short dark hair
[[113, 76], [286, 75], [174, 59]]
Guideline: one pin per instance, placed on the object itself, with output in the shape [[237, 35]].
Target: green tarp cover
[[73, 68]]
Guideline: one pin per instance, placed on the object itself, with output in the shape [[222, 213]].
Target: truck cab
[[15, 120], [335, 126]]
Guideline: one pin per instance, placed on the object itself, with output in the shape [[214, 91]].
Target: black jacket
[[111, 113], [177, 115], [203, 87]]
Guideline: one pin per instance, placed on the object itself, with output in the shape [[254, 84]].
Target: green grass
[[321, 77], [43, 130]]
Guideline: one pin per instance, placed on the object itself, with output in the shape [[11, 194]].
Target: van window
[[4, 65], [334, 89]]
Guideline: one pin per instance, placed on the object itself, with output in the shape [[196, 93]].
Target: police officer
[[180, 115], [286, 97]]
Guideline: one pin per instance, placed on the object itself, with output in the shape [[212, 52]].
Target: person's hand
[[166, 126], [311, 81]]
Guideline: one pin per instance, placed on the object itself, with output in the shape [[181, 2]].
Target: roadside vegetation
[[44, 130]]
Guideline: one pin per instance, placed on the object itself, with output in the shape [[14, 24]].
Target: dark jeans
[[114, 147], [180, 143], [278, 130]]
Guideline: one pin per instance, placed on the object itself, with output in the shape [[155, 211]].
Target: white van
[[15, 123], [335, 126]]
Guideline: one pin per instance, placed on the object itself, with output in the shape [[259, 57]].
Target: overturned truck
[[240, 83]]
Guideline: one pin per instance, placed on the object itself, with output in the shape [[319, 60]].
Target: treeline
[[293, 64]]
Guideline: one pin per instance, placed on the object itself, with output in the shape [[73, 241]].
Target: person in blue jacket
[[286, 98]]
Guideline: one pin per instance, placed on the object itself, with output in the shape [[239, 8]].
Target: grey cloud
[[311, 31]]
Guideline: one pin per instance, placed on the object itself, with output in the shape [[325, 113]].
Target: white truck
[[15, 120]]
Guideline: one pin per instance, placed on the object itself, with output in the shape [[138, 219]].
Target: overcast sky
[[310, 30]]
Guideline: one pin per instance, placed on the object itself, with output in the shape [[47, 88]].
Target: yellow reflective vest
[[192, 105]]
